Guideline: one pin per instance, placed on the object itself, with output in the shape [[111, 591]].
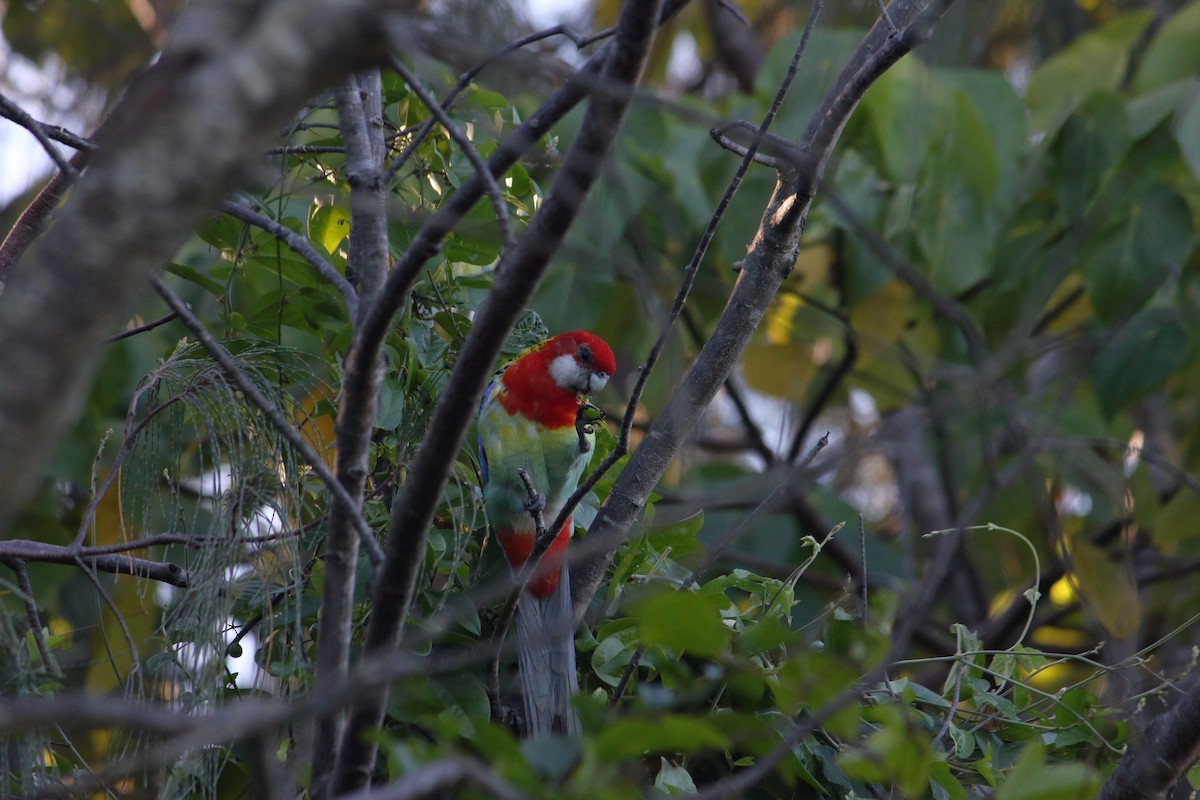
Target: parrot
[[534, 416]]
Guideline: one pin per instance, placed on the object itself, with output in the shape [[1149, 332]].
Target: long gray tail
[[546, 655]]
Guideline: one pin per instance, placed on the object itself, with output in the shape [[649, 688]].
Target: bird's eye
[[585, 354]]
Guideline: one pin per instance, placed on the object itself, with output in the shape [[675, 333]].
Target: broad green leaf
[[1096, 60], [1142, 354], [941, 776], [894, 753], [1033, 779], [679, 537], [1172, 54], [670, 733], [551, 756], [1187, 130], [902, 108], [1086, 151], [1149, 235], [685, 622], [1145, 112]]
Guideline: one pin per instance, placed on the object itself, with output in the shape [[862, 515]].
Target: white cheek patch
[[565, 372]]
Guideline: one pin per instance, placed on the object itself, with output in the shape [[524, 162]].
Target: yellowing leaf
[[329, 225], [1108, 590], [885, 314], [316, 424], [1176, 521], [782, 370]]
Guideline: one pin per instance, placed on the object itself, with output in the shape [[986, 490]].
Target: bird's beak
[[596, 382]]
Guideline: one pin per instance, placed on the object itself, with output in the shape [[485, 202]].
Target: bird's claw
[[535, 503]]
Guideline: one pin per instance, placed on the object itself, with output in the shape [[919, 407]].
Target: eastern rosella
[[528, 420]]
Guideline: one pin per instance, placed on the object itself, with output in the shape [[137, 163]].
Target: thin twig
[[299, 245], [135, 666], [887, 19], [499, 207], [149, 326], [35, 619], [12, 111]]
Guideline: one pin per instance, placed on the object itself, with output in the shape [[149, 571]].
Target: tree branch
[[1169, 746], [770, 260], [367, 262], [163, 161]]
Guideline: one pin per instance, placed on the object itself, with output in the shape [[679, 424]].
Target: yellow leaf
[[317, 430], [885, 314], [782, 370], [1107, 589]]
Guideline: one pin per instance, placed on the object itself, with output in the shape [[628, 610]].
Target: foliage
[[995, 288]]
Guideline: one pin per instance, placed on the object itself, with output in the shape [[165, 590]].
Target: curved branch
[[12, 111]]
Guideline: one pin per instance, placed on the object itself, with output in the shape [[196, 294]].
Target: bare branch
[[162, 571], [12, 111], [1169, 746], [149, 326], [359, 101], [36, 217], [31, 613], [163, 161]]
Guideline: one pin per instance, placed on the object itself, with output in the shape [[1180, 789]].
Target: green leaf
[[329, 226], [1148, 235], [551, 756], [1033, 779], [901, 109], [196, 277], [678, 537], [1108, 589], [1187, 130], [1139, 358], [684, 622], [1096, 60], [1086, 151], [671, 733], [1172, 54], [940, 775], [894, 753]]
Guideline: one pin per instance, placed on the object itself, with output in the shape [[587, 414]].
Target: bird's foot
[[536, 502]]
